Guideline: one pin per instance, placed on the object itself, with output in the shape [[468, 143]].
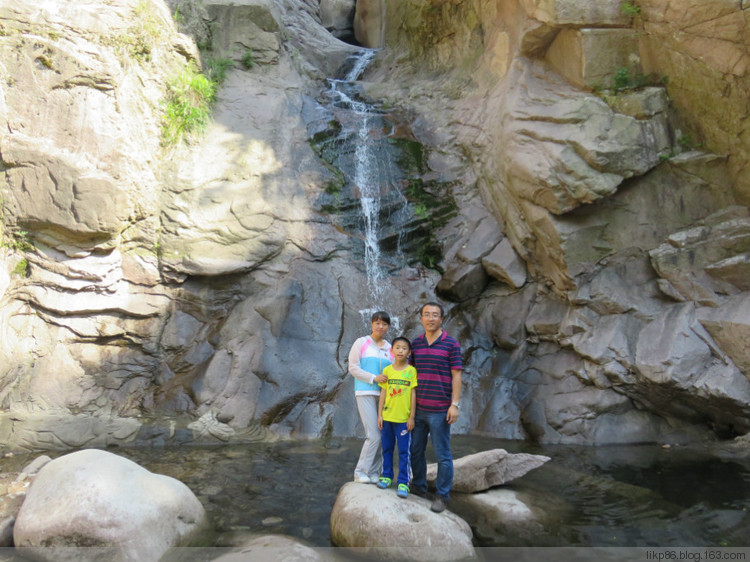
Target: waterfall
[[368, 166]]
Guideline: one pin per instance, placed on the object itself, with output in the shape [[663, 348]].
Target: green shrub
[[216, 69], [188, 105], [247, 59], [630, 8], [622, 79], [21, 268]]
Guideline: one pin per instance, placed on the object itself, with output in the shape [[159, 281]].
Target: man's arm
[[452, 415]]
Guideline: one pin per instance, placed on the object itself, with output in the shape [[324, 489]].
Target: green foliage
[[22, 268], [216, 69], [630, 8], [624, 80], [247, 59], [177, 16], [188, 105]]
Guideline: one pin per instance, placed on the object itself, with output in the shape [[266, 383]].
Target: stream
[[605, 496]]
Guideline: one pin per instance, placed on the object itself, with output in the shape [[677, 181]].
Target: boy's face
[[400, 350]]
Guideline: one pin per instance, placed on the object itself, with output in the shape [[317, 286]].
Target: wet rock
[[93, 498], [484, 470], [504, 516], [382, 526]]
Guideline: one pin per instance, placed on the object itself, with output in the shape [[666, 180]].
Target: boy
[[396, 410]]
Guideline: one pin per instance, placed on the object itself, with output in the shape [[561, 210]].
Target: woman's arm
[[354, 359]]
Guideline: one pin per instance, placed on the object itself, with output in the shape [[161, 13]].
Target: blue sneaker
[[403, 491], [384, 482]]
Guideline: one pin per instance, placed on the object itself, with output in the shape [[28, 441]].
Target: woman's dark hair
[[401, 338], [381, 315]]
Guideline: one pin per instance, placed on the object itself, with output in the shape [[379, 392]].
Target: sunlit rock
[[588, 58], [109, 505], [487, 469], [576, 12], [382, 526], [245, 26], [369, 23]]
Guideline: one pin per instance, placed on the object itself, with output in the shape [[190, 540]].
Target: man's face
[[431, 319]]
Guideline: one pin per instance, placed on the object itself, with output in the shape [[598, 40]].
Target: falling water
[[368, 165]]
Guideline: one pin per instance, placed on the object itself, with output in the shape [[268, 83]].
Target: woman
[[367, 359]]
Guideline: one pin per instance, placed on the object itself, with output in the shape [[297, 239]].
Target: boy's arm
[[412, 410], [381, 402]]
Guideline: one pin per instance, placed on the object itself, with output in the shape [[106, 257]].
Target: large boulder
[[486, 469], [272, 547], [93, 498], [384, 527]]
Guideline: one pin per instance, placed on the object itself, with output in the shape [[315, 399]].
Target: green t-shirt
[[398, 389]]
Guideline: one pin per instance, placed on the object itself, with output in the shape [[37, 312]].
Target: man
[[437, 358]]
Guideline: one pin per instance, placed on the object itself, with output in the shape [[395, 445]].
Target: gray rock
[[706, 262], [487, 469], [729, 326], [337, 16], [384, 527], [503, 264], [97, 499]]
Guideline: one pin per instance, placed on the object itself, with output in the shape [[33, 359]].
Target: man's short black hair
[[381, 315], [401, 338], [440, 306]]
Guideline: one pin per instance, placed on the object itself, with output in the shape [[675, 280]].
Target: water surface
[[587, 496]]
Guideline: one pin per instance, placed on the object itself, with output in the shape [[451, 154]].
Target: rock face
[[631, 240], [592, 259], [382, 526], [97, 499], [486, 469]]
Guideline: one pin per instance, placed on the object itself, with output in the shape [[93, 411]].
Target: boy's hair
[[381, 315], [401, 338], [440, 306]]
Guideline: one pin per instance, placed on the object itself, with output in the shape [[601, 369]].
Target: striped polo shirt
[[434, 363]]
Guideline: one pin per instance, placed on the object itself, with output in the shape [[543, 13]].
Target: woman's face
[[379, 328]]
